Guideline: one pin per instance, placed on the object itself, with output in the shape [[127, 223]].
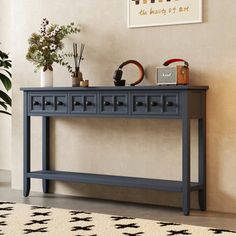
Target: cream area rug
[[21, 219]]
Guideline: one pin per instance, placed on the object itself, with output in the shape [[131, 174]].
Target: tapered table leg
[[202, 163], [26, 149], [186, 165], [46, 152]]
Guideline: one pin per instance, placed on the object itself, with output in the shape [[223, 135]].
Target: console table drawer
[[171, 104], [114, 103], [83, 103], [156, 104], [48, 103]]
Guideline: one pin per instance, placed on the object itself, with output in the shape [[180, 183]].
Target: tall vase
[[46, 77]]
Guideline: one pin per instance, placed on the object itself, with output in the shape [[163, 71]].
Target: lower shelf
[[165, 185]]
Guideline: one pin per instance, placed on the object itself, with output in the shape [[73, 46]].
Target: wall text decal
[[142, 13]]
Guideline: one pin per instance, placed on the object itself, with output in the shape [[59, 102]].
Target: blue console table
[[158, 102]]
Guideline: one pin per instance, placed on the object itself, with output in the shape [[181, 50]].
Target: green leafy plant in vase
[[5, 78], [44, 48], [77, 56]]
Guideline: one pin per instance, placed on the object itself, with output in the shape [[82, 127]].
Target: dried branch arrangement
[[77, 55]]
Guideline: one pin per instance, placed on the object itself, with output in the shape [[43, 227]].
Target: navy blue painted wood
[[156, 102], [26, 151], [83, 103], [52, 102], [117, 89], [46, 151], [202, 156], [115, 103], [186, 155], [165, 185]]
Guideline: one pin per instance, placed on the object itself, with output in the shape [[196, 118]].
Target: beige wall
[[149, 148], [5, 121]]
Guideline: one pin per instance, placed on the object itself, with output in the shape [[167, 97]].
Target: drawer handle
[[76, 103], [119, 103], [106, 103], [154, 104], [169, 104], [36, 103], [47, 103], [139, 104], [60, 103], [88, 103]]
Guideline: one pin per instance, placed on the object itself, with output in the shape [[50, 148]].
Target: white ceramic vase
[[46, 78]]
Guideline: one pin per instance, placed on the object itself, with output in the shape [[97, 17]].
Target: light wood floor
[[209, 219]]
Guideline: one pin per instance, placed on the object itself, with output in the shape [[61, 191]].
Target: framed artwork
[[143, 13]]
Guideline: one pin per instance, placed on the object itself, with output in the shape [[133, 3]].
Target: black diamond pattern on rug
[[163, 224], [124, 226], [6, 208], [74, 213], [134, 234], [117, 218], [41, 222], [3, 223], [39, 207], [32, 231], [40, 218], [178, 232], [222, 231], [40, 214], [4, 216], [85, 228], [5, 212], [86, 235], [77, 219]]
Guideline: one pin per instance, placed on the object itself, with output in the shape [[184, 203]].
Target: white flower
[[53, 47], [42, 30], [45, 47], [41, 40], [57, 29], [53, 34], [45, 22]]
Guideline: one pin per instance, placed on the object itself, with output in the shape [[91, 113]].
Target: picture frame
[[149, 13]]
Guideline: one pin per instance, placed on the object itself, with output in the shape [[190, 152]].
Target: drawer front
[[83, 103], [171, 104], [119, 103], [139, 104], [61, 103], [36, 103], [48, 103], [156, 104], [113, 104]]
